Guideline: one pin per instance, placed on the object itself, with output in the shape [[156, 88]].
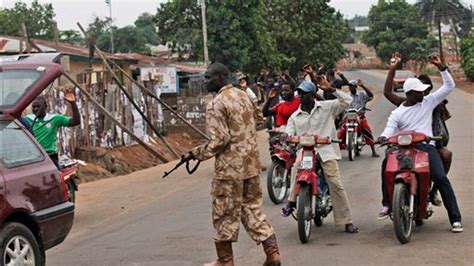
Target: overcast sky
[[124, 12]]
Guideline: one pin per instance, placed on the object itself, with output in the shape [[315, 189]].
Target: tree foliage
[[71, 37], [249, 35], [38, 20], [307, 31], [239, 35], [179, 26], [467, 54], [128, 39], [448, 12], [146, 24], [397, 26]]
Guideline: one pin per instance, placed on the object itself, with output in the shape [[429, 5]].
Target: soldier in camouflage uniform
[[236, 190]]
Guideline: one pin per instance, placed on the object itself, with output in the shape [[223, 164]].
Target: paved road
[[140, 219]]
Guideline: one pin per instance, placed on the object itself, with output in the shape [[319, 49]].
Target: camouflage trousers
[[238, 200]]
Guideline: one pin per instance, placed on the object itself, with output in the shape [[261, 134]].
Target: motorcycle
[[279, 175], [407, 177], [352, 131], [68, 170], [313, 199]]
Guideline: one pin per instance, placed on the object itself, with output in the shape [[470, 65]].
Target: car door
[[32, 181]]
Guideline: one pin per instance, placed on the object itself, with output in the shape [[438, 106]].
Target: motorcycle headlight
[[404, 140], [307, 141], [352, 116]]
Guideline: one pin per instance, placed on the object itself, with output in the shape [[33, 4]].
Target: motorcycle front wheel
[[277, 182], [402, 220], [304, 213], [350, 145]]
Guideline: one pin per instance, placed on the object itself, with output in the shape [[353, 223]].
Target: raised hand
[[69, 95]]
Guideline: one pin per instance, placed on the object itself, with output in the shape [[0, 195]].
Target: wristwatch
[[443, 68]]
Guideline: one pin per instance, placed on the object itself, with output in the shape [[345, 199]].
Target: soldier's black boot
[[225, 256], [270, 247]]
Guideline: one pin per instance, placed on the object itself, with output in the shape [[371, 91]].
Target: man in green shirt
[[45, 126]]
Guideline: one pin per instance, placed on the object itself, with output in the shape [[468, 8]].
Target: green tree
[[448, 12], [307, 31], [237, 32], [71, 37], [146, 24], [179, 27], [239, 35], [130, 39], [38, 20], [397, 26], [467, 54], [358, 21]]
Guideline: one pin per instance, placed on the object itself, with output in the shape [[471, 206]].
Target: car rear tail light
[[64, 188]]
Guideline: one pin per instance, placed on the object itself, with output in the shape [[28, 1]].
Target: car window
[[14, 83], [16, 148], [406, 75]]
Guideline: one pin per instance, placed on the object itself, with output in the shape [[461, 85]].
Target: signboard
[[165, 76]]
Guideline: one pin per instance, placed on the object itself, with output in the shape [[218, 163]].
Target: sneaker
[[457, 227], [384, 213], [435, 200], [287, 211]]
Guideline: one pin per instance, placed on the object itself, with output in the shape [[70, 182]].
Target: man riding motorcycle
[[359, 100], [440, 114], [318, 118], [416, 114]]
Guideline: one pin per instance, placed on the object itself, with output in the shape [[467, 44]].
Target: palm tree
[[437, 12]]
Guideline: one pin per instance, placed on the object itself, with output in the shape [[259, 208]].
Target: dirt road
[[141, 219]]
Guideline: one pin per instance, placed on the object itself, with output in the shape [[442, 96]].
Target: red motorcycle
[[408, 181], [68, 169], [313, 200], [351, 131], [283, 157]]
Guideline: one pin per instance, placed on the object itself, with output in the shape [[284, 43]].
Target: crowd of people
[[314, 102]]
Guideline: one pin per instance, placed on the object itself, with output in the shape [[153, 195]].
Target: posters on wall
[[165, 76]]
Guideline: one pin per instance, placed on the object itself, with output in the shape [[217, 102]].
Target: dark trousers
[[438, 176]]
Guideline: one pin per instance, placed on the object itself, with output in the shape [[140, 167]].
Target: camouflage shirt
[[230, 121]]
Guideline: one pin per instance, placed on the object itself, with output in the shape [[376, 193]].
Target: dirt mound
[[104, 163]]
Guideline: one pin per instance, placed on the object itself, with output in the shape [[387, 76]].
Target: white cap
[[414, 84]]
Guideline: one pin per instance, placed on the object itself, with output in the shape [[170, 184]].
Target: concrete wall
[[192, 108]]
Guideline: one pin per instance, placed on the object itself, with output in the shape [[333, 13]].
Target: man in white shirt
[[416, 114], [318, 117]]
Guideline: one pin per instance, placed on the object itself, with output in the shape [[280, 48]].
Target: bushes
[[467, 54]]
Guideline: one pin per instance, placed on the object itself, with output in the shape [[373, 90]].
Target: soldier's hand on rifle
[[188, 157]]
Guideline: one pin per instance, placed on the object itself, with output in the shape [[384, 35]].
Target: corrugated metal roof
[[152, 60]]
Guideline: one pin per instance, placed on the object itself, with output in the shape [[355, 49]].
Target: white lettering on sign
[[194, 115]]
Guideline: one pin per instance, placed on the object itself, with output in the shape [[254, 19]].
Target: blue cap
[[307, 86]]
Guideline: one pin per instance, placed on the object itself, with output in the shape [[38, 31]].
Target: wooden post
[[152, 94], [124, 90], [109, 115]]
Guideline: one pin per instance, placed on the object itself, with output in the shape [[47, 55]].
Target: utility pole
[[109, 2], [204, 31]]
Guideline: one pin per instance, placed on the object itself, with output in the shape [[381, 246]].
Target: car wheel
[[18, 246]]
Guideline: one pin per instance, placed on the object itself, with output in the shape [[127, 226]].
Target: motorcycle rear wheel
[[277, 186], [304, 213], [402, 220]]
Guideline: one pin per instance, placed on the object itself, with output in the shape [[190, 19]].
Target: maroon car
[[400, 77], [35, 213]]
